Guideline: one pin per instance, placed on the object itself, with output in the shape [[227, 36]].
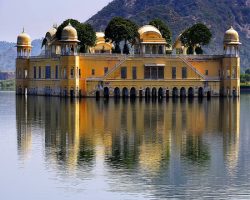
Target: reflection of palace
[[151, 70], [130, 133]]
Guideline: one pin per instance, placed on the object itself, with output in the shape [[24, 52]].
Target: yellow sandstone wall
[[86, 74]]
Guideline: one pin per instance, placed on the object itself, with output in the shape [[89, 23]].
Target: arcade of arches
[[153, 92]]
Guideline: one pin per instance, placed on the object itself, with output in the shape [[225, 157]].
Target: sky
[[38, 16]]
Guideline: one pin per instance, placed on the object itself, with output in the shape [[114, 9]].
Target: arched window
[[160, 50], [148, 49]]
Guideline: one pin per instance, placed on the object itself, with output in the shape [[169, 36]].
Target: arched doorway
[[190, 92], [125, 92], [200, 92], [72, 93], [65, 92], [209, 94], [97, 94], [140, 93], [175, 92], [147, 93], [19, 91], [154, 92], [106, 92], [133, 92], [183, 92], [222, 92], [234, 92], [167, 94], [117, 93], [160, 93]]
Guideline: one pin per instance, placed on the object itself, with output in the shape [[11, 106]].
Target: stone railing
[[121, 61], [201, 57], [189, 57], [191, 66], [45, 57]]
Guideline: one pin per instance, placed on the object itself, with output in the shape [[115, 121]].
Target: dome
[[100, 35], [69, 34], [178, 44], [231, 37], [149, 28], [23, 39], [52, 32]]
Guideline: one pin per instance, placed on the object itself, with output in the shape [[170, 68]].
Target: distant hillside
[[180, 14], [8, 54]]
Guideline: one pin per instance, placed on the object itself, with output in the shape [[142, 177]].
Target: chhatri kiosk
[[148, 71]]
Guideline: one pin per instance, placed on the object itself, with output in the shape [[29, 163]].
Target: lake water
[[52, 148]]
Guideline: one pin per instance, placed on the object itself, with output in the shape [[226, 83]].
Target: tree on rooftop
[[120, 29], [87, 36], [196, 36], [163, 28], [247, 71]]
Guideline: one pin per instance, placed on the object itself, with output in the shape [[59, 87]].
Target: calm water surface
[[53, 148]]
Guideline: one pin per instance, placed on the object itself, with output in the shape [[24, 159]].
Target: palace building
[[152, 69]]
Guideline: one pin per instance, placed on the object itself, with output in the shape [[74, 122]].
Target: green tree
[[85, 32], [163, 28], [125, 49], [242, 78], [199, 50], [196, 36], [120, 29], [117, 48], [247, 71], [87, 37]]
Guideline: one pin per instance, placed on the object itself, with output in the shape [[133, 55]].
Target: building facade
[[148, 71]]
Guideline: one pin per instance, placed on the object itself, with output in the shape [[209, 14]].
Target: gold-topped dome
[[69, 34], [100, 35], [149, 28], [231, 36], [23, 40], [52, 32]]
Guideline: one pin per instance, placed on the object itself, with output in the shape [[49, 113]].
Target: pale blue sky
[[37, 16]]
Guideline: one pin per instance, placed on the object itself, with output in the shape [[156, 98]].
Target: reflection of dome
[[148, 28], [69, 34], [231, 37], [23, 40]]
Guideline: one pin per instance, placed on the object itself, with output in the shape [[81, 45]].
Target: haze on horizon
[[37, 17]]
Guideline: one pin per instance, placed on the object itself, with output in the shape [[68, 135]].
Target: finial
[[69, 23], [23, 29], [231, 19]]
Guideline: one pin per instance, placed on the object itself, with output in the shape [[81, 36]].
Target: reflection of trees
[[59, 120], [150, 136], [196, 150], [125, 140], [139, 136], [123, 154], [86, 152]]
